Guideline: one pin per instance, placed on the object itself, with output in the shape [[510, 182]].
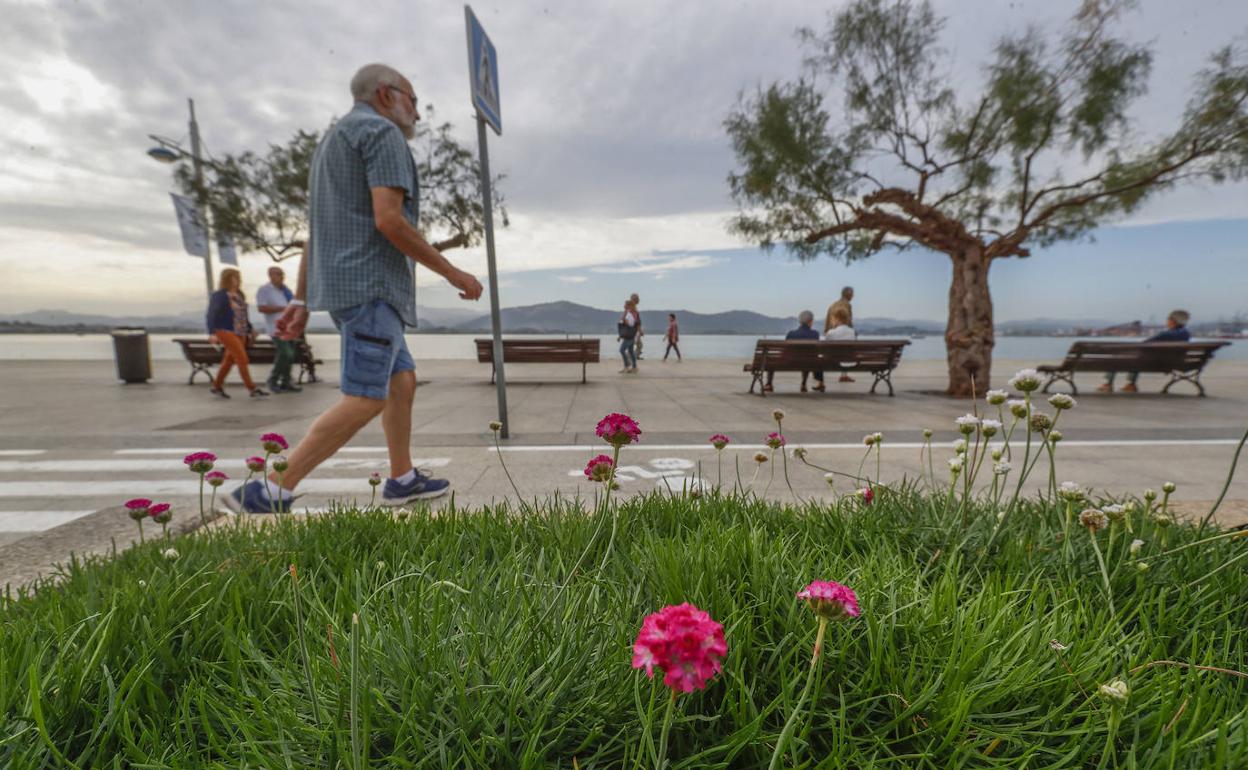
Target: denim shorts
[[373, 348]]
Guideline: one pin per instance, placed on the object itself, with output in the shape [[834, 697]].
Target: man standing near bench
[[841, 313], [271, 300], [1175, 331], [360, 266]]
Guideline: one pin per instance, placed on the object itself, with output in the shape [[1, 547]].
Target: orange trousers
[[235, 353]]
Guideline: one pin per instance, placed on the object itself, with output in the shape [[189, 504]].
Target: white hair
[[370, 77], [805, 317]]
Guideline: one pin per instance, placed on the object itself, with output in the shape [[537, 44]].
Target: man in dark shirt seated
[[803, 332], [1175, 331]]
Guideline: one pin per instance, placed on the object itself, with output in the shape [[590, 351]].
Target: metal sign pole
[[496, 324]]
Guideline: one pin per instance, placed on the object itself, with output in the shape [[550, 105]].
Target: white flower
[[966, 423], [1116, 691], [1094, 520], [879, 437], [1055, 436], [1017, 407], [170, 553], [997, 397], [830, 478], [799, 452], [142, 583], [1162, 519], [1150, 495], [955, 464], [1069, 490], [997, 454], [1001, 467], [1062, 401], [959, 446], [1135, 546], [1168, 487], [1115, 512], [777, 414], [1026, 380], [989, 427], [927, 433]]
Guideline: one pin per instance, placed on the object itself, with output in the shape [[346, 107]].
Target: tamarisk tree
[[261, 201], [1045, 152]]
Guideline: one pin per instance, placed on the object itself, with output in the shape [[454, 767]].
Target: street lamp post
[[168, 151]]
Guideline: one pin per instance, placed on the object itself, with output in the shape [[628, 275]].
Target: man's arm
[[295, 317], [388, 216]]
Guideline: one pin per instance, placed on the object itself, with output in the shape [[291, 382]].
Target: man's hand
[[291, 325], [467, 283]]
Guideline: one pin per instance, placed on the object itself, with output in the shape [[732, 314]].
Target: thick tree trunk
[[969, 335]]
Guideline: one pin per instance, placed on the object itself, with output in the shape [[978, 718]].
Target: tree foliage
[[261, 200], [1046, 150]]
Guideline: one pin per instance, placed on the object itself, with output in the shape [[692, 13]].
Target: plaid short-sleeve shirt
[[350, 261]]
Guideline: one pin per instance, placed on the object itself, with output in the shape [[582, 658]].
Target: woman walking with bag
[[229, 326], [627, 330]]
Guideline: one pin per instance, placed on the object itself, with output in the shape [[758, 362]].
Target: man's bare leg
[[396, 420], [327, 435]]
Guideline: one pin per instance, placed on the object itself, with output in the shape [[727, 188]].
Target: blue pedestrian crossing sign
[[483, 72]]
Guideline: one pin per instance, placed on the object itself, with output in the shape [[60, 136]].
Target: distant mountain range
[[552, 318], [544, 318]]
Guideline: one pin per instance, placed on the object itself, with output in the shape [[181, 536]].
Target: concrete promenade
[[74, 441]]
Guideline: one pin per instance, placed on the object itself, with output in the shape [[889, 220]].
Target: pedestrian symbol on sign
[[483, 73]]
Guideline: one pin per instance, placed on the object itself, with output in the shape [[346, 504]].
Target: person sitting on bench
[[1175, 331], [803, 332]]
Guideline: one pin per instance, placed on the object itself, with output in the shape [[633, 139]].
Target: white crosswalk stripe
[[234, 468], [37, 521]]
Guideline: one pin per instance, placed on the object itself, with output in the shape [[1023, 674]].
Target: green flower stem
[[606, 500], [719, 468], [1224, 536], [878, 452], [791, 724], [772, 476], [267, 490], [164, 530], [140, 523], [1022, 477], [498, 450], [203, 520], [1100, 560], [212, 500], [660, 758], [373, 499], [1070, 514]]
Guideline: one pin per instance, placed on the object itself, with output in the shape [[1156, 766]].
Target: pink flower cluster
[[138, 507], [200, 462], [618, 429], [684, 642], [599, 468], [830, 600], [719, 441], [216, 478], [255, 464], [775, 440], [273, 443], [160, 513]]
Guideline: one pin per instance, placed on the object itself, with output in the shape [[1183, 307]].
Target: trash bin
[[134, 355]]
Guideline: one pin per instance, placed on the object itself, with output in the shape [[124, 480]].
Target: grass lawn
[[469, 652]]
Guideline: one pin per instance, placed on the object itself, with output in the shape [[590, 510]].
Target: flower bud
[[1115, 692], [495, 426], [1168, 487]]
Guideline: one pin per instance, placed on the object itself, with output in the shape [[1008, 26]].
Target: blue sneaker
[[420, 488], [252, 497]]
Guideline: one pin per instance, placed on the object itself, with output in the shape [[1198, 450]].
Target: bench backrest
[[199, 350], [553, 350], [1139, 356], [816, 354]]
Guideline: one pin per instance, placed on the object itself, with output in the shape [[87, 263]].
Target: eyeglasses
[[412, 97]]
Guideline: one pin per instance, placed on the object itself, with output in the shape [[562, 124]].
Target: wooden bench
[[1183, 361], [542, 351], [879, 357], [202, 354]]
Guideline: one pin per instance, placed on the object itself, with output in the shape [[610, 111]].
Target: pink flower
[[374, 478], [200, 462], [867, 495], [160, 513], [273, 443], [216, 478], [599, 468], [255, 464], [618, 429], [138, 507], [684, 642], [830, 600], [775, 440], [719, 441]]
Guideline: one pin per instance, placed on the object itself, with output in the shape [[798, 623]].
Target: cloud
[[572, 278], [660, 266]]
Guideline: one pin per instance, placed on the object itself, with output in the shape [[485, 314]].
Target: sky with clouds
[[614, 149]]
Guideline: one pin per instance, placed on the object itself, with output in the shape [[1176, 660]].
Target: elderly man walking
[[360, 266]]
